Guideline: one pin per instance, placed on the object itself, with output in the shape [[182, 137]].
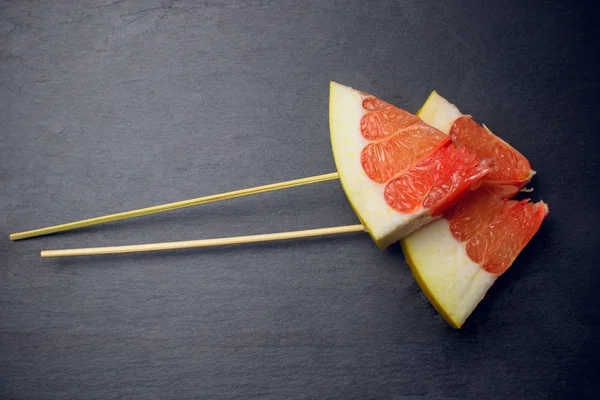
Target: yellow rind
[[425, 288], [450, 280], [337, 166], [427, 113]]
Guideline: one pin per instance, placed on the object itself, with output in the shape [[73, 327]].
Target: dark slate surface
[[112, 105]]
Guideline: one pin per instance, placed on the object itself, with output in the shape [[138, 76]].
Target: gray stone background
[[107, 106]]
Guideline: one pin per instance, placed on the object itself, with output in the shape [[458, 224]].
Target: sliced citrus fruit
[[456, 259], [398, 172], [436, 182], [511, 167]]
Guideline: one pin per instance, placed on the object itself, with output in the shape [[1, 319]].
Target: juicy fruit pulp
[[398, 173], [511, 166], [493, 228], [435, 182], [418, 163], [399, 140]]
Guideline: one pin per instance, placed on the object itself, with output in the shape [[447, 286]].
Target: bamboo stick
[[173, 206], [203, 242]]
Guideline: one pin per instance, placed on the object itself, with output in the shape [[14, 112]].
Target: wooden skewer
[[202, 243], [173, 206]]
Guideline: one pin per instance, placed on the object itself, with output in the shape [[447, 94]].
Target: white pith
[[439, 112], [447, 274], [384, 224]]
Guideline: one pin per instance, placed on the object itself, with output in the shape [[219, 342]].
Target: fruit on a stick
[[398, 172], [457, 258]]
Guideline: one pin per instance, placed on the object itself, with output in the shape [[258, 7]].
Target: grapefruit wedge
[[398, 172], [511, 167], [457, 258]]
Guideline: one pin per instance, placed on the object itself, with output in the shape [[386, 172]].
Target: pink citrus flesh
[[511, 167], [494, 228], [419, 165]]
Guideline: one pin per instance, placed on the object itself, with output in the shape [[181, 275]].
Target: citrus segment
[[495, 229], [395, 154], [511, 166], [477, 210], [434, 182], [383, 119]]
